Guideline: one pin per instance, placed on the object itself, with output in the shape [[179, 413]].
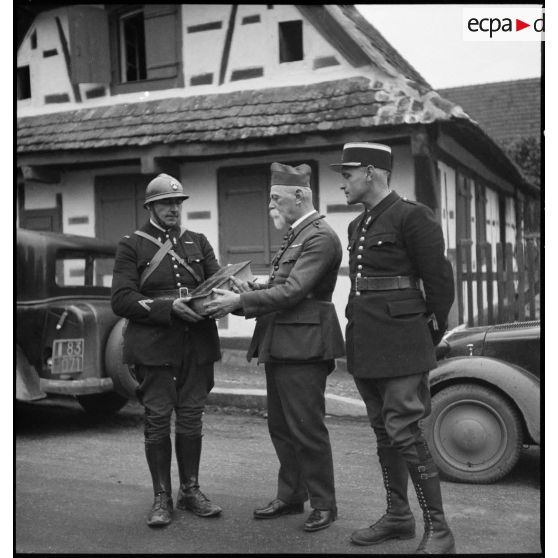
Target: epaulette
[[412, 202]]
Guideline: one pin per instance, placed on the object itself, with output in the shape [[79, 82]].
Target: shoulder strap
[[160, 254], [156, 259]]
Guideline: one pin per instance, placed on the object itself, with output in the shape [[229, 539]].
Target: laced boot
[[190, 497], [398, 521], [437, 538], [158, 456]]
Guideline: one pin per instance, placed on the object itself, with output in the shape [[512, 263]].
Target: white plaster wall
[[200, 183], [253, 45], [78, 200], [48, 75], [201, 51]]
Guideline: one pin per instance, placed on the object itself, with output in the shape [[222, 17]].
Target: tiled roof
[[505, 110], [241, 115]]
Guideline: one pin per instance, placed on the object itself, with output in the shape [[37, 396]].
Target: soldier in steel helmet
[[171, 348], [396, 246]]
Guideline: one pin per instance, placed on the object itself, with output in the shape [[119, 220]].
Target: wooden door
[[119, 205], [246, 232]]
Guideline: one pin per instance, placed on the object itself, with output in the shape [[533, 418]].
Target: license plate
[[67, 356]]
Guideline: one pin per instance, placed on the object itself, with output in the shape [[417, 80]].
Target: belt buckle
[[183, 292]]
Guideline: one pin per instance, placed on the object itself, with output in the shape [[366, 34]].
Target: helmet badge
[[174, 186]]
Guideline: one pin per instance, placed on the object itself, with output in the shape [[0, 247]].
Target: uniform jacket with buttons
[[387, 333], [154, 336], [296, 320]]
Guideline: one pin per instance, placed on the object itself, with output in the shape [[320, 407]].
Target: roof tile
[[240, 115]]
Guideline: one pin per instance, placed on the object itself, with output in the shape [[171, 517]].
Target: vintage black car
[[68, 340], [486, 400]]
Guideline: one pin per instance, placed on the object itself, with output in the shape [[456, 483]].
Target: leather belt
[[386, 283], [167, 294]]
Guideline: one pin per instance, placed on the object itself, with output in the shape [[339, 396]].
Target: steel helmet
[[163, 186]]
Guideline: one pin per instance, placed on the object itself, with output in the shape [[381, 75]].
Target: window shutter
[[162, 40], [89, 44]]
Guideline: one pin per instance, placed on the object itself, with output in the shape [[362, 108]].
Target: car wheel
[[123, 380], [474, 434], [102, 403]]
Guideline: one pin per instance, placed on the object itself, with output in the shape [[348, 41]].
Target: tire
[[101, 404], [475, 434]]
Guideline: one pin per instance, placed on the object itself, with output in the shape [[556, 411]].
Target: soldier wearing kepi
[[297, 336], [171, 347], [391, 333]]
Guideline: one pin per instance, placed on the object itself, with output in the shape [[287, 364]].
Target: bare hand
[[184, 312], [225, 302], [239, 286]]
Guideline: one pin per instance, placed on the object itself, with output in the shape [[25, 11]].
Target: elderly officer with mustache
[[297, 336]]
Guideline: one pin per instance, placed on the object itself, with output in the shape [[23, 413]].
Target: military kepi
[[364, 154], [285, 175]]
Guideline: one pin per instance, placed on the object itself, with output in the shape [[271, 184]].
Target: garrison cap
[[285, 175], [364, 154], [163, 186]]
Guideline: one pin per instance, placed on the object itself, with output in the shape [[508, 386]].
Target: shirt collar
[[304, 217], [156, 225]]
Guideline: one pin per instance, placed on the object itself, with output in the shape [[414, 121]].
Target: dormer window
[[290, 41], [132, 47]]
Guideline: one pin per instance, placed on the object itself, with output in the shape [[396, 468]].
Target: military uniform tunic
[[298, 336], [154, 336], [387, 333]]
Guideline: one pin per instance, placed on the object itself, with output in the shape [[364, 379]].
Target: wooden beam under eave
[[40, 174], [460, 157], [156, 165]]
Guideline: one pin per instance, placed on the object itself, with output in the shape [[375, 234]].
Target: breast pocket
[[381, 241], [291, 255]]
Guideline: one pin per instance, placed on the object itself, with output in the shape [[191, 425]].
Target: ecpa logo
[[503, 24]]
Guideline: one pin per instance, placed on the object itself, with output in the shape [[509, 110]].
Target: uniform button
[[359, 266], [174, 378], [173, 259], [359, 257], [361, 247], [179, 284], [379, 242], [357, 293], [359, 274], [362, 238], [178, 274], [159, 239], [175, 266]]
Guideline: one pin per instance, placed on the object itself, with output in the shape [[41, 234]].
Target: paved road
[[82, 487]]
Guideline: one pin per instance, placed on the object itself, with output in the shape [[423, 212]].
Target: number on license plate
[[67, 356]]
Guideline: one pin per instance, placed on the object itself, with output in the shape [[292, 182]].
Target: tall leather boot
[[190, 497], [437, 538], [398, 521], [159, 456]]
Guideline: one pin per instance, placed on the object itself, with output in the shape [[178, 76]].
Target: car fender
[[27, 381], [519, 385]]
